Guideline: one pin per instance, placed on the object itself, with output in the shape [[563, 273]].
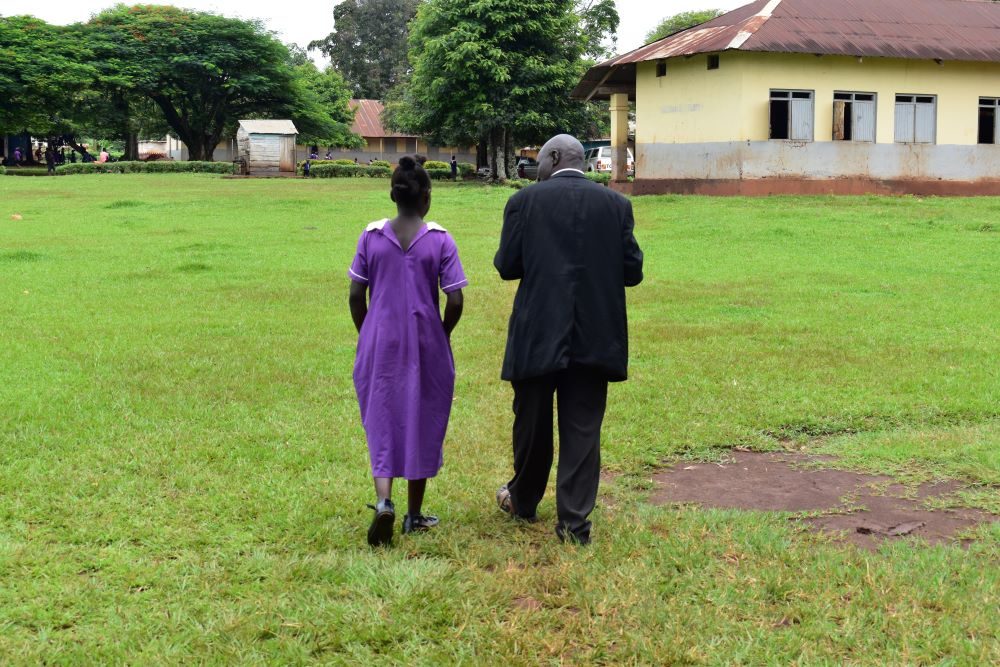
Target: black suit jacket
[[570, 243]]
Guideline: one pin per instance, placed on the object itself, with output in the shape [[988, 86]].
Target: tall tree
[[498, 71], [203, 71], [683, 21], [368, 44], [45, 72]]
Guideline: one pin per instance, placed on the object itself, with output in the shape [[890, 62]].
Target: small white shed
[[267, 146]]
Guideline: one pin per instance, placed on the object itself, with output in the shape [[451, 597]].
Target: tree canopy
[[683, 21], [46, 71], [368, 44], [494, 70], [136, 71]]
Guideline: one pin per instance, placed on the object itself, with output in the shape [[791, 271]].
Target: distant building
[[267, 146], [815, 96], [381, 144]]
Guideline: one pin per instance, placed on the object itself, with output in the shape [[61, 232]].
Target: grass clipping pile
[[864, 509]]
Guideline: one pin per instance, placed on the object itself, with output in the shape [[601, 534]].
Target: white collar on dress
[[380, 225]]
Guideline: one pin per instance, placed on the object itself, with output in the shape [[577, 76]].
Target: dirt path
[[865, 509]]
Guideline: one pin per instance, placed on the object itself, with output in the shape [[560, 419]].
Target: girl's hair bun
[[408, 163]]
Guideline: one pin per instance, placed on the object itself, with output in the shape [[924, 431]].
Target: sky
[[302, 21]]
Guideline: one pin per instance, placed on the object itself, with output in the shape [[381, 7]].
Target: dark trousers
[[582, 396]]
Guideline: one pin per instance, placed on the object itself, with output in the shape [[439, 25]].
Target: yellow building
[[792, 96]]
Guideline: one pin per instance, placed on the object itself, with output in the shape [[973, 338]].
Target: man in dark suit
[[570, 243]]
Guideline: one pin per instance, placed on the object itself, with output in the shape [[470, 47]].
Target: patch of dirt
[[864, 509]]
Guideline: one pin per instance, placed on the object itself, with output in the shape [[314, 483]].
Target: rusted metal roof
[[268, 127], [368, 121], [965, 30]]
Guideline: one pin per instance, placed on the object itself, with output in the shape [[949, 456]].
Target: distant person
[[72, 157], [570, 243], [313, 155], [421, 159], [355, 160], [61, 157], [306, 167], [104, 156], [454, 168], [329, 155], [38, 154], [404, 372], [18, 156], [50, 161]]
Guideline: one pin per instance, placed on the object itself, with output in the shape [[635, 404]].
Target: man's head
[[562, 151]]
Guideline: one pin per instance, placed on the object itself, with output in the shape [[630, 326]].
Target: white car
[[599, 160]]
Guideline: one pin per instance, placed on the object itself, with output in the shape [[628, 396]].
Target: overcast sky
[[301, 21]]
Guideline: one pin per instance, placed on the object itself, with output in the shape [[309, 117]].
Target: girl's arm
[[452, 311], [359, 304]]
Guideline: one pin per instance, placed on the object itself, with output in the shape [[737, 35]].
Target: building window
[[661, 68], [792, 114], [989, 108], [713, 61], [916, 119], [854, 117]]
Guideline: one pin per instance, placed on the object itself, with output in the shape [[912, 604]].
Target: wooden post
[[619, 137]]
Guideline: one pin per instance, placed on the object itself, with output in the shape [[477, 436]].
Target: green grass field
[[183, 472]]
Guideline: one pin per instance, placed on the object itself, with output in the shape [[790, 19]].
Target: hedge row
[[349, 171], [160, 167], [362, 171], [3, 170]]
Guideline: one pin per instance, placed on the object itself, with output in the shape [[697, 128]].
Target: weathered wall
[[692, 104], [817, 160]]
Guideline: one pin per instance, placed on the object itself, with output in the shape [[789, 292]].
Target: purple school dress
[[404, 372]]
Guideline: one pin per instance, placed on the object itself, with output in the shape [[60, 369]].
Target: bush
[[381, 163], [467, 168], [437, 174], [603, 179], [158, 167], [3, 170], [436, 164], [519, 183], [345, 162], [349, 171]]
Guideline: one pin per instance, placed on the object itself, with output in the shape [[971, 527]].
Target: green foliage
[[439, 174], [598, 27], [158, 167], [366, 44], [345, 161], [323, 115], [45, 71], [3, 170], [498, 69], [436, 164], [205, 71], [381, 163], [466, 168], [683, 21], [334, 170], [603, 178]]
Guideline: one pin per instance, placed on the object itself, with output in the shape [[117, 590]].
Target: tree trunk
[[498, 158], [482, 151], [510, 160], [77, 147], [131, 146]]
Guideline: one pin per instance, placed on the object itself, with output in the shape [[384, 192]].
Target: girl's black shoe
[[380, 532], [417, 522]]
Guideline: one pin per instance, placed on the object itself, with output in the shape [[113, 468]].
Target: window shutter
[[905, 115], [864, 121], [925, 125], [802, 120], [839, 114]]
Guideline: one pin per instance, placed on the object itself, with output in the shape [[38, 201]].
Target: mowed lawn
[[183, 473]]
